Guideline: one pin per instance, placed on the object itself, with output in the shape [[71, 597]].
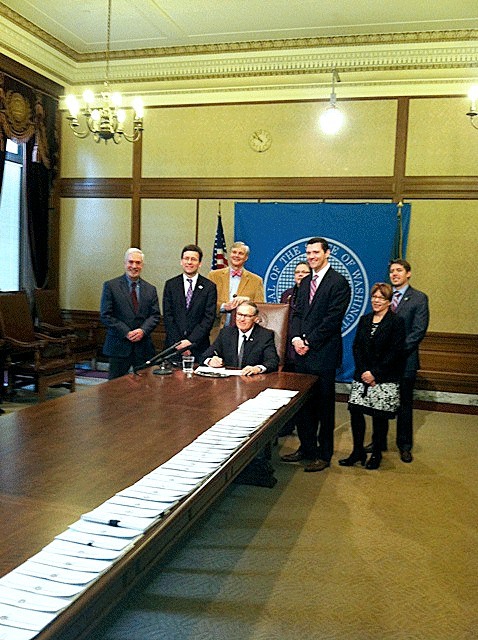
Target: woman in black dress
[[378, 350]]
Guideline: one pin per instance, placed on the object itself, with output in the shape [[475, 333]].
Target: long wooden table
[[64, 457]]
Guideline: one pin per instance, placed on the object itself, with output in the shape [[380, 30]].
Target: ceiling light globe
[[138, 107], [331, 120], [473, 92], [116, 99], [72, 105], [88, 96]]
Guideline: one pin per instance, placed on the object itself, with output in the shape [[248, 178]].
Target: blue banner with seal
[[363, 238]]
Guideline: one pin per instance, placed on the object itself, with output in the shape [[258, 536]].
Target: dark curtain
[[3, 146], [29, 116], [2, 165]]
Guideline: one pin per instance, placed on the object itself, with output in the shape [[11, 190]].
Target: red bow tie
[[237, 273]]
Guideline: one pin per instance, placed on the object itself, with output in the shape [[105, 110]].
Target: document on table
[[220, 371]]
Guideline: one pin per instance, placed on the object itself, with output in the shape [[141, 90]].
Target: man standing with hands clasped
[[321, 303], [411, 305], [130, 311], [235, 284], [189, 305]]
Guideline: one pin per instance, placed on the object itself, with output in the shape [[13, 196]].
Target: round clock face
[[260, 140]]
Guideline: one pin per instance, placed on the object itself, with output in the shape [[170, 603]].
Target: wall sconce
[[473, 113], [332, 119]]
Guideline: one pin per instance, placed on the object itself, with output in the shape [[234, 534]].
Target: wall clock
[[260, 140]]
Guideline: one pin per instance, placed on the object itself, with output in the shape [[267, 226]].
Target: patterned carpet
[[345, 554]]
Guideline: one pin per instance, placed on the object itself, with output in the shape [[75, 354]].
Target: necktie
[[134, 297], [396, 300], [189, 293], [313, 288], [240, 357], [237, 273]]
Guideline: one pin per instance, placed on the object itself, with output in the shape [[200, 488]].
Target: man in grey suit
[[189, 305], [411, 305], [322, 301], [130, 311]]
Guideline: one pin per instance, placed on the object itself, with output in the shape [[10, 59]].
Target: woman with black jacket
[[378, 350]]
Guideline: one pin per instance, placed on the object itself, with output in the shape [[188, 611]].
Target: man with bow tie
[[189, 305], [412, 306], [235, 284]]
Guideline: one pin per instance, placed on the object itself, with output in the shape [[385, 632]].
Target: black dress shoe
[[374, 461], [352, 459], [369, 448], [297, 456], [316, 465], [406, 456]]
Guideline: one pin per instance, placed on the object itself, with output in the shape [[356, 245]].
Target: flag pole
[[400, 229]]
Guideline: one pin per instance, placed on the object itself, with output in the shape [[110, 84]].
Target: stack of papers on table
[[34, 593]]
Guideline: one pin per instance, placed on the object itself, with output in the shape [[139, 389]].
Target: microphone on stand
[[159, 357], [165, 369]]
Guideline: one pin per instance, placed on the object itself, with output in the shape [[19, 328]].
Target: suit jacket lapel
[[311, 305], [405, 298], [243, 283], [197, 292]]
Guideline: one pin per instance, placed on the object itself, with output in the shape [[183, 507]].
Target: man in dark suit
[[189, 305], [321, 303], [251, 348], [247, 345], [130, 311], [411, 305]]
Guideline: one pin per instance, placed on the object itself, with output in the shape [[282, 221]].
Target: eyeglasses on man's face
[[245, 315]]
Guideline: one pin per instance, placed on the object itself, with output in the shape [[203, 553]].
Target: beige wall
[[440, 139], [442, 250], [94, 234], [214, 141], [88, 159]]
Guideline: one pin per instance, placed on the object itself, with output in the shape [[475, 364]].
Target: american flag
[[219, 259]]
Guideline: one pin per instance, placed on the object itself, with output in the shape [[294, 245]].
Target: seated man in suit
[[251, 347], [189, 305], [247, 345], [130, 311]]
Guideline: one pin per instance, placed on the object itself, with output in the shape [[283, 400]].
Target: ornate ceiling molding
[[407, 38], [318, 62], [279, 66]]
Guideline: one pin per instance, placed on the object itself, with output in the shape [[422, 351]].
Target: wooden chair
[[50, 322], [32, 357], [276, 317]]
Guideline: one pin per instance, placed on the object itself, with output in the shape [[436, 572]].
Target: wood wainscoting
[[449, 361], [76, 315]]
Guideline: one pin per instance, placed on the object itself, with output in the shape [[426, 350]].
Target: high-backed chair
[[50, 321], [276, 316], [32, 357]]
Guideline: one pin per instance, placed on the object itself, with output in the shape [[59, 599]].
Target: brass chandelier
[[103, 116]]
